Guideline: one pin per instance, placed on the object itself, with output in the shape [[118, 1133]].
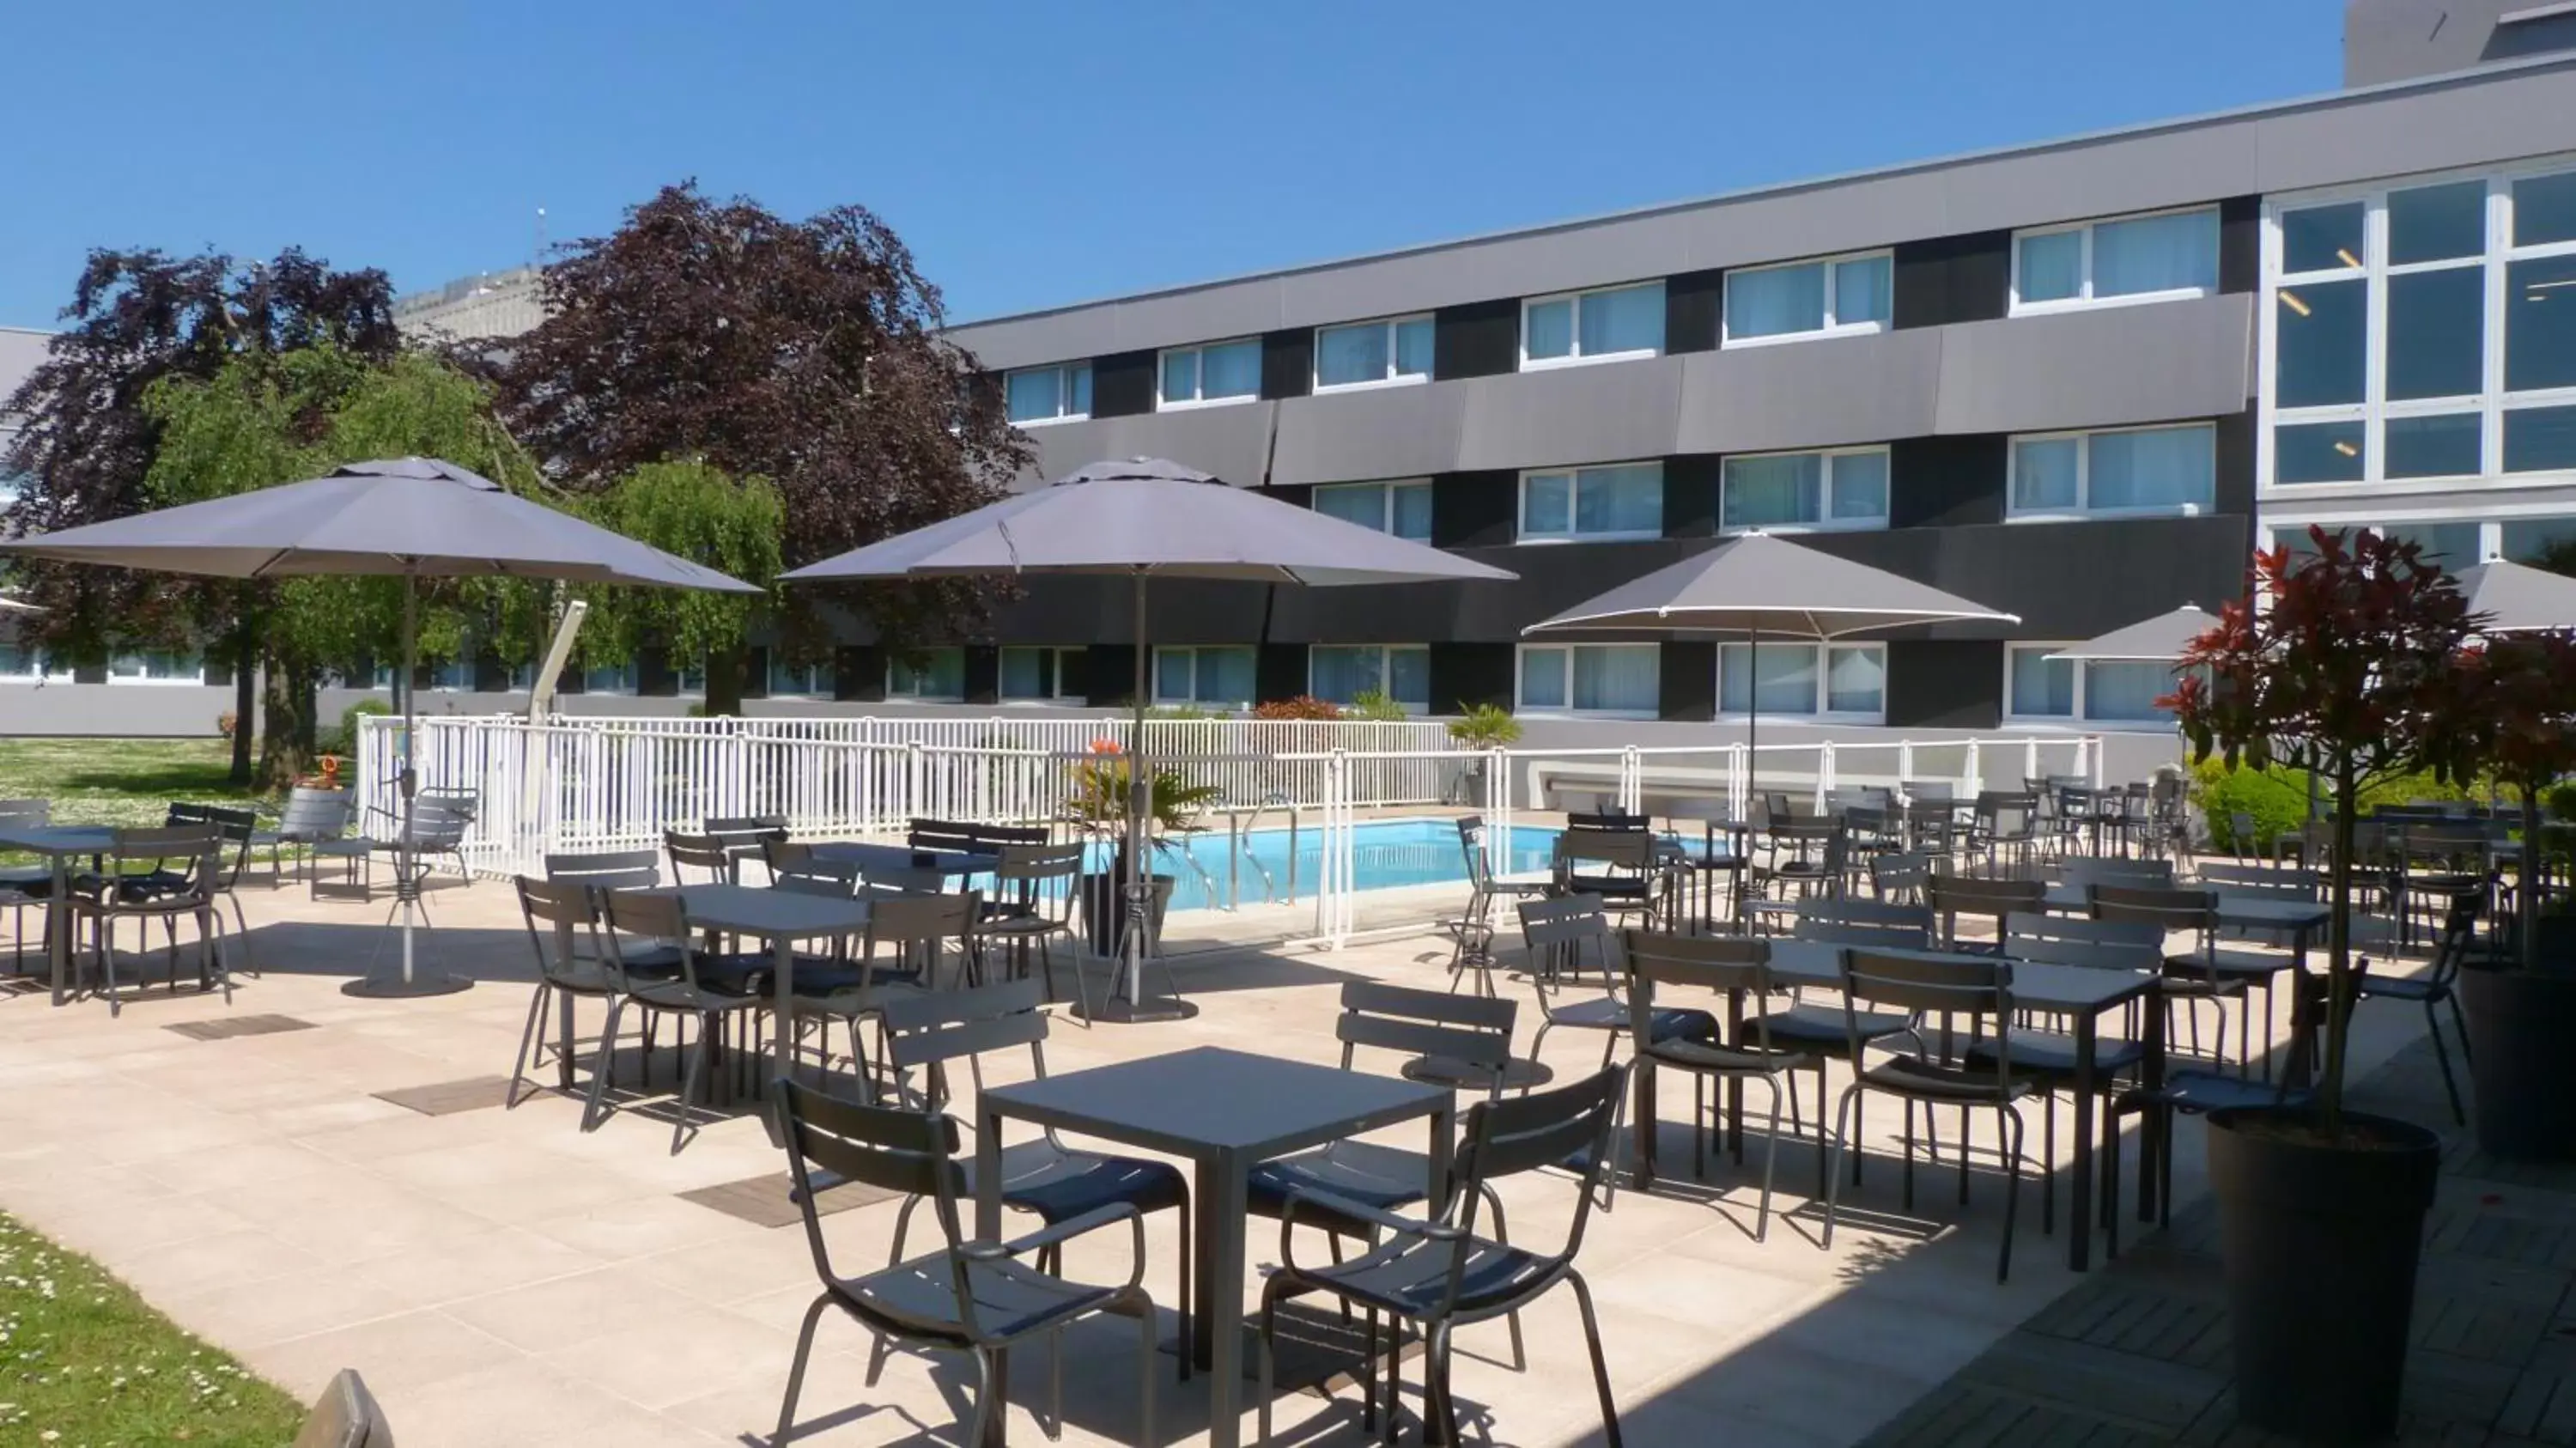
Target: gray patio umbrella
[[1760, 586], [2518, 598], [410, 518], [1143, 518], [2155, 640]]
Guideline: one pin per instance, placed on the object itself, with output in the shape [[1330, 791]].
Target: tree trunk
[[245, 692], [2347, 806], [286, 740], [725, 669], [2526, 894]]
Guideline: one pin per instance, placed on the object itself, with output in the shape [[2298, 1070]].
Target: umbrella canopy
[[1769, 588], [1147, 515], [2161, 639], [2517, 598], [418, 516]]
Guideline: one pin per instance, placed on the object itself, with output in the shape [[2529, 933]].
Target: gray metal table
[[870, 855], [60, 845], [781, 917], [2298, 919], [1224, 1111]]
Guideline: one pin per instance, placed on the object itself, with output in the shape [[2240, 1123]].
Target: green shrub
[[344, 740], [1302, 706], [1372, 705], [1485, 726], [2275, 799]]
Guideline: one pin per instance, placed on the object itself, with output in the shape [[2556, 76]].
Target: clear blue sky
[[1037, 153]]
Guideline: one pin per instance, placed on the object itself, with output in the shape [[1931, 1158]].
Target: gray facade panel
[[1385, 432], [2524, 110], [2148, 363], [1811, 394], [1231, 441], [1609, 413]]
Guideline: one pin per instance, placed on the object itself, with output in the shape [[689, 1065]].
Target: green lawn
[[84, 1363], [116, 781]]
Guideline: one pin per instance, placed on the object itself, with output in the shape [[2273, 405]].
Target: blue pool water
[[1389, 853]]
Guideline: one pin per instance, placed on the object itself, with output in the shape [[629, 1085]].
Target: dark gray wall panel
[[2065, 580], [1476, 339], [1465, 675], [2240, 243], [1278, 672], [1111, 670], [983, 674], [1288, 363], [1475, 510], [1939, 482], [1691, 494], [1687, 683], [1615, 412], [1123, 384], [858, 673], [1231, 441], [1948, 279], [1831, 391], [2235, 446], [1946, 684], [1694, 305], [1379, 432], [2148, 363]]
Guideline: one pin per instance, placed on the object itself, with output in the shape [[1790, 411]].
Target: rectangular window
[[1403, 509], [1048, 394], [1621, 679], [2105, 691], [449, 676], [1626, 501], [1033, 674], [2134, 259], [1597, 326], [1373, 354], [789, 680], [1215, 372], [2139, 470], [607, 679], [1340, 673], [1217, 678], [2039, 687], [1837, 296], [930, 674], [157, 666], [1846, 681], [27, 664], [1805, 490]]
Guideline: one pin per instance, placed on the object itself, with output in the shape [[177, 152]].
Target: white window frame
[[1578, 357], [1825, 522], [1154, 676], [1385, 670], [2279, 526], [1386, 513], [189, 681], [2084, 300], [1520, 505], [1520, 670], [919, 698], [2083, 509], [2082, 720], [628, 685], [1055, 675], [2489, 404], [48, 668], [809, 682], [1392, 378], [1063, 393], [1824, 662], [1726, 338], [1170, 404]]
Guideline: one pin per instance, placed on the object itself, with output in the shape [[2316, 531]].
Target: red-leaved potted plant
[[2346, 663]]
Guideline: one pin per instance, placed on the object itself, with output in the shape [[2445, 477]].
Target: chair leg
[[691, 1082], [1262, 1352], [1182, 1294], [527, 1040], [2460, 1023], [2442, 1057], [249, 963], [796, 1370], [1145, 1353], [1600, 1364], [2012, 1135], [2048, 1165], [1833, 1169], [985, 1407], [599, 1076], [1770, 1168]]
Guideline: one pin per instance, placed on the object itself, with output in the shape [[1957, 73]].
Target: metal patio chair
[[310, 817], [164, 874], [708, 999]]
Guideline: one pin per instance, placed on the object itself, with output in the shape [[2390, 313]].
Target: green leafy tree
[[693, 510], [2520, 694]]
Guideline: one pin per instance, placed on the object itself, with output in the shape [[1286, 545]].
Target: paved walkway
[[2139, 1354]]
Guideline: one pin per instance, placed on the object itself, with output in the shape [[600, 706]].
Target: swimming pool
[[1387, 853]]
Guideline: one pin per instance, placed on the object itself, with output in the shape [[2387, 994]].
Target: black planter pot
[[2520, 1022], [2320, 1244], [1104, 910]]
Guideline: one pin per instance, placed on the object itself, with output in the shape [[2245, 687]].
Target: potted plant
[[2521, 1010], [1480, 727], [2349, 670], [1099, 802]]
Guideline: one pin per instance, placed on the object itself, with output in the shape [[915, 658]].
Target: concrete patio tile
[[644, 1227], [274, 1309], [208, 1261], [728, 1272], [525, 1401], [498, 1260], [569, 1311], [723, 1348], [234, 1165], [402, 1356]]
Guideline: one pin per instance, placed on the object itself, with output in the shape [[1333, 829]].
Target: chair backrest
[[345, 1416], [908, 920], [1469, 1031], [926, 1031], [552, 906], [2459, 937], [913, 1153], [884, 880], [2261, 881], [183, 812], [2097, 944], [2088, 870], [703, 853], [2167, 908], [192, 854], [1883, 935], [1513, 1134], [746, 837], [831, 879], [1038, 882], [1037, 863], [2242, 832], [654, 918], [1876, 915], [1928, 791], [1616, 820], [607, 869], [1899, 877], [1620, 849], [927, 834], [1976, 987], [1559, 932], [1471, 847], [439, 819], [311, 813], [1715, 963], [1952, 896], [236, 829]]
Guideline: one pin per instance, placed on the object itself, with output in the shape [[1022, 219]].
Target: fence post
[[2093, 751], [1632, 781], [1498, 809], [2030, 768], [1904, 761], [1825, 777], [1975, 772]]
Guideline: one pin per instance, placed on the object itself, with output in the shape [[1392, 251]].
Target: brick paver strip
[[446, 1098], [762, 1200], [224, 1027]]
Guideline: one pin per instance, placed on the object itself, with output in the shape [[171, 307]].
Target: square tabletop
[[1208, 1099], [872, 855], [58, 839], [2036, 985], [2243, 912], [769, 914]]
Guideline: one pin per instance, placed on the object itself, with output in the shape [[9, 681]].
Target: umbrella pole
[[407, 780], [1136, 888]]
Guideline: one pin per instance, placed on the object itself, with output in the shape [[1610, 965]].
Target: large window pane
[[1619, 500], [2322, 330], [2540, 324], [2437, 223], [1024, 673], [1032, 396], [1775, 301], [1341, 672], [2322, 238], [2045, 473], [2159, 468], [1630, 319], [1233, 370], [1361, 503], [2318, 452], [1078, 390], [2052, 266], [2126, 690], [2433, 447], [1767, 492], [1350, 354], [1861, 291], [1621, 677], [1859, 486], [2544, 209], [1225, 676], [1855, 681], [2539, 439], [2155, 254], [2540, 540], [2042, 687], [1547, 504], [2437, 333], [1413, 341], [1413, 512], [1543, 678], [1787, 674], [1180, 376], [1174, 674], [2452, 545], [1549, 329], [1409, 676]]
